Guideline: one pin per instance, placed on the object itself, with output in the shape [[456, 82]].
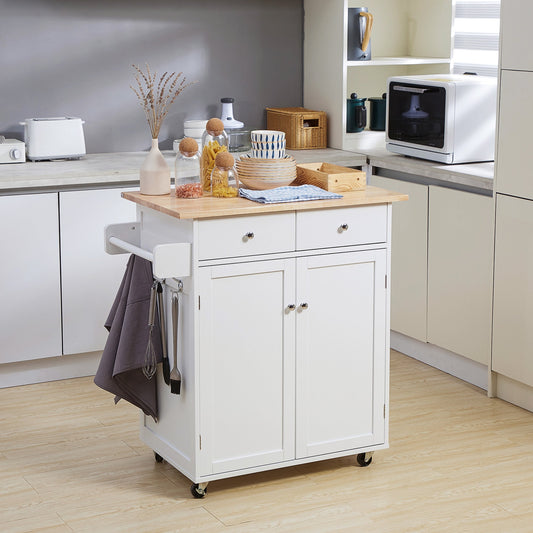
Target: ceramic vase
[[155, 172]]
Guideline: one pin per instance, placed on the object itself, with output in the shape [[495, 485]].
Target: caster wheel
[[362, 459], [158, 458], [197, 491]]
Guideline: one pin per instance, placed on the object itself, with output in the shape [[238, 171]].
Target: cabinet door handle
[[343, 227], [291, 307], [249, 235], [304, 306]]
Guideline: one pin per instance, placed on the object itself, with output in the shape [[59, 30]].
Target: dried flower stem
[[156, 95]]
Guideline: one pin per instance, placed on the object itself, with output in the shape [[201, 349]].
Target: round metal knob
[[291, 307], [249, 235], [304, 306], [343, 227]]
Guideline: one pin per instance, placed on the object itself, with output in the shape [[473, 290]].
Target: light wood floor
[[70, 460]]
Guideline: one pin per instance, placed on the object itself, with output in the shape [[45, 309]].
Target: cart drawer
[[246, 235], [341, 227]]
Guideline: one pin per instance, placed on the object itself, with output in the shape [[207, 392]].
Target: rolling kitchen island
[[283, 341]]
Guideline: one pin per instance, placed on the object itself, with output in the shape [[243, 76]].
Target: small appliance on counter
[[238, 137], [449, 118], [12, 150], [355, 114], [360, 23], [54, 138]]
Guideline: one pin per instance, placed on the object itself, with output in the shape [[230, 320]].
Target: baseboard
[[50, 369], [514, 392], [449, 362]]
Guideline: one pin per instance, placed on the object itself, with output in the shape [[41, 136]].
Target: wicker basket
[[304, 128]]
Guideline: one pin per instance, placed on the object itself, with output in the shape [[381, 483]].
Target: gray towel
[[120, 369]]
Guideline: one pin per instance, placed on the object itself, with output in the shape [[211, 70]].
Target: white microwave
[[449, 118]]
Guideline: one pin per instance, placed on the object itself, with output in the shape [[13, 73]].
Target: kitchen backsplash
[[74, 59]]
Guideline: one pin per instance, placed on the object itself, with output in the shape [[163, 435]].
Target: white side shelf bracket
[[168, 260]]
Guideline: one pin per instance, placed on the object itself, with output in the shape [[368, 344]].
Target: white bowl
[[268, 154], [195, 124], [278, 145], [193, 132], [267, 135]]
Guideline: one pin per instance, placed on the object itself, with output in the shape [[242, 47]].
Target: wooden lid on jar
[[188, 146], [215, 126], [224, 160]]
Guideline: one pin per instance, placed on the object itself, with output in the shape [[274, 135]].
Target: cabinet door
[[90, 276], [512, 353], [341, 352], [460, 272], [247, 340], [514, 136], [409, 258], [515, 26], [30, 321]]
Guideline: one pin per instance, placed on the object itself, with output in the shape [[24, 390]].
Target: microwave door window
[[417, 114]]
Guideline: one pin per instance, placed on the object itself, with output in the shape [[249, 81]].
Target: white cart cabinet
[[283, 335]]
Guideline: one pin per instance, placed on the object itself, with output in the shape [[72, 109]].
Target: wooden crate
[[330, 177], [304, 128]]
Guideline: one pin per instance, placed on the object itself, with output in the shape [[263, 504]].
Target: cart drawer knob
[[343, 227], [304, 306], [248, 236]]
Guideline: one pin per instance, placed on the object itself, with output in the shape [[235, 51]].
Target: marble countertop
[[471, 175], [122, 168]]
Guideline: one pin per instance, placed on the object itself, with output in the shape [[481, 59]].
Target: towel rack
[[171, 260]]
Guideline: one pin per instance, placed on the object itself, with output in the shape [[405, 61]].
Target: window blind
[[476, 36]]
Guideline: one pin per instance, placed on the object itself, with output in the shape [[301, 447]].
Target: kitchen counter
[[209, 207], [475, 176], [122, 168]]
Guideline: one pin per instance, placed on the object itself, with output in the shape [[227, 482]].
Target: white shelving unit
[[409, 37]]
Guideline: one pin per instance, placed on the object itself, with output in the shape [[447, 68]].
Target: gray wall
[[59, 57]]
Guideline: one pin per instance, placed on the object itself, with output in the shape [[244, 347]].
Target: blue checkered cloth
[[299, 193]]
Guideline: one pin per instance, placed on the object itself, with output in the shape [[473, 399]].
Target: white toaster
[[54, 138]]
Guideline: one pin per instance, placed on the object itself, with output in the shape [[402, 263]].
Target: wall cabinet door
[[512, 353], [341, 360], [515, 26], [30, 321], [90, 276], [460, 272], [409, 258], [514, 138], [246, 365]]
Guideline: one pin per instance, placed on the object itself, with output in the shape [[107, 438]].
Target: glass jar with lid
[[224, 178], [187, 170], [214, 140]]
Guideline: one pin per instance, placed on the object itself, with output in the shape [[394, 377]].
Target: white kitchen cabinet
[[327, 398], [441, 273], [410, 256], [89, 277], [341, 313], [329, 78], [30, 323], [283, 343], [512, 353], [515, 26], [460, 259], [514, 135], [247, 366]]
